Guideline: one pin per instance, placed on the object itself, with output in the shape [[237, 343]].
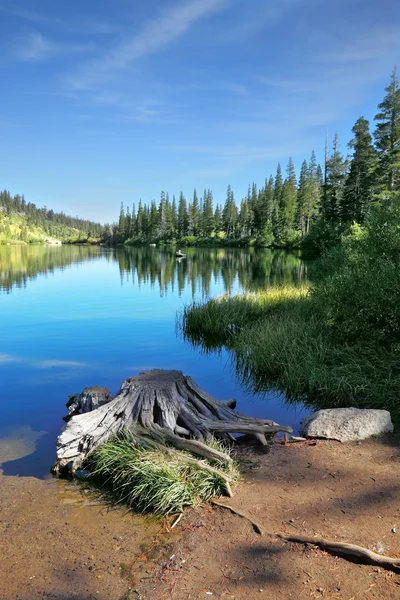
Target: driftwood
[[158, 408]]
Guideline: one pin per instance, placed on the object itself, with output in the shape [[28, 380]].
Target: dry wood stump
[[159, 408]]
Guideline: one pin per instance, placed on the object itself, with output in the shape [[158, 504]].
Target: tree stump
[[158, 408]]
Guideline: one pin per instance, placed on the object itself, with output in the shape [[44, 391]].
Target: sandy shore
[[56, 542]]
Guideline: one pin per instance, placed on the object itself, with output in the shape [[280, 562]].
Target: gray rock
[[346, 424]]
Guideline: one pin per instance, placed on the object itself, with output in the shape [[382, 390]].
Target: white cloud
[[31, 16], [85, 24], [155, 35], [7, 358], [36, 48], [33, 48], [370, 45], [258, 16], [43, 364]]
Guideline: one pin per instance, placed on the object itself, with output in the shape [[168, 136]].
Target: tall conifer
[[387, 137], [360, 183]]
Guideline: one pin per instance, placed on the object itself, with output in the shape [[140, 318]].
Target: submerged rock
[[346, 424]]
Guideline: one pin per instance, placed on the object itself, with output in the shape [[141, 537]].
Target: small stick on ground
[[234, 511], [175, 523]]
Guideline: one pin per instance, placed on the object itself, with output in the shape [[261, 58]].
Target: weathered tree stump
[[158, 408]]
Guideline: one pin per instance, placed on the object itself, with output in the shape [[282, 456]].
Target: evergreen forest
[[310, 211]]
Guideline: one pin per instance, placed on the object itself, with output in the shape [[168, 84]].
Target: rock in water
[[346, 424]]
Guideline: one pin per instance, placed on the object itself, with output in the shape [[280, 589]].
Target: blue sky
[[106, 101]]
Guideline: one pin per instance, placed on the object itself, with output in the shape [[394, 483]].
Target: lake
[[76, 316]]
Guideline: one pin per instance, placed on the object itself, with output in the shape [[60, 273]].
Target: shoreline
[[60, 545]]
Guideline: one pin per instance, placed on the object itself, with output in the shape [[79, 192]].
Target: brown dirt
[[57, 545]]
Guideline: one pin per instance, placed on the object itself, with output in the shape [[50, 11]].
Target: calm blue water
[[72, 317]]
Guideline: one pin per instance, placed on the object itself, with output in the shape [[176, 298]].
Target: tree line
[[34, 219], [286, 211]]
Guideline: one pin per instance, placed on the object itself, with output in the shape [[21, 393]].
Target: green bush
[[320, 238], [358, 290]]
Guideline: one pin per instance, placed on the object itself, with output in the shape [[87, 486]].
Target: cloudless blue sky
[[104, 101]]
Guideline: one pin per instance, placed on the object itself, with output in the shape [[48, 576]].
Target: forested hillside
[[313, 209], [23, 222]]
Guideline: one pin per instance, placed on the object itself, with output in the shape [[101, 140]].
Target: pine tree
[[387, 137], [183, 218], [302, 197], [309, 197], [169, 219], [288, 206], [253, 200], [335, 169], [218, 219], [154, 222], [162, 216], [320, 177], [277, 199], [121, 223], [245, 217], [229, 214], [360, 183], [174, 216], [208, 215], [194, 214]]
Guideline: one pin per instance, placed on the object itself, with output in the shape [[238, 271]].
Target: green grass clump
[[221, 320], [151, 480]]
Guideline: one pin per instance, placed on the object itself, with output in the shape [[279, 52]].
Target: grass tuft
[[151, 480]]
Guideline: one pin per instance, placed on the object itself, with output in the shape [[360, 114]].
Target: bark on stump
[[158, 408]]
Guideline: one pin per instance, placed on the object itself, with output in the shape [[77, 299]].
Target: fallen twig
[[175, 523]]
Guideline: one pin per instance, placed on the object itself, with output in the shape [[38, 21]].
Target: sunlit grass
[[280, 339], [221, 319], [151, 480]]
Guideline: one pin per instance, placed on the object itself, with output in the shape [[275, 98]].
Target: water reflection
[[21, 264], [246, 268]]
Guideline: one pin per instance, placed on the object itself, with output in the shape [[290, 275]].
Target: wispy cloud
[[36, 48], [261, 16], [43, 364], [372, 44], [31, 15], [85, 24], [155, 35], [5, 359]]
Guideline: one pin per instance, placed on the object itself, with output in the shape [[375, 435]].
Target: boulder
[[346, 424]]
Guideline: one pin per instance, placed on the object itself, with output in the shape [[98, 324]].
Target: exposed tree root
[[234, 511], [363, 554]]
